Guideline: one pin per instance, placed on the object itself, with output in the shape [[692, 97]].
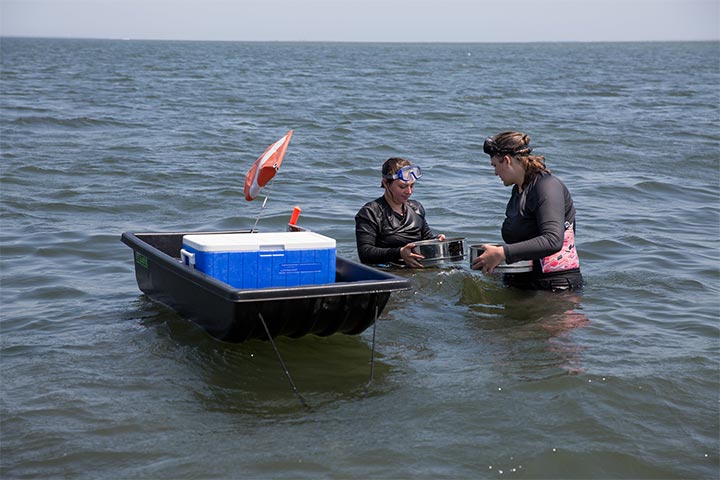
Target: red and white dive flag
[[265, 167]]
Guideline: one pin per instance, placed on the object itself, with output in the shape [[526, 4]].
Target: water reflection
[[531, 329], [248, 377]]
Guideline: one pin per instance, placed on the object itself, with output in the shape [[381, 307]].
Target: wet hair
[[517, 145], [391, 166]]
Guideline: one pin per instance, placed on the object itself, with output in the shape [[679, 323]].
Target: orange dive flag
[[265, 167]]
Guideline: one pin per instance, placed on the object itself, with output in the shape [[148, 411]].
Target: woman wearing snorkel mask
[[386, 228], [539, 219]]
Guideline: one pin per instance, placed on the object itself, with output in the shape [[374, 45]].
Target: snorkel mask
[[406, 174], [491, 148]]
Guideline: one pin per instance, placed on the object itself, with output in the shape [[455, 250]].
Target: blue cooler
[[261, 260]]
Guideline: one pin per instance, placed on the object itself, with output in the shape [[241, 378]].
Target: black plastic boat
[[349, 305]]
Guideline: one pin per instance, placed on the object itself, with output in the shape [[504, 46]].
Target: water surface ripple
[[472, 380]]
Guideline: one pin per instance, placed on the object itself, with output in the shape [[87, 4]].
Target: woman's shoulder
[[548, 180], [550, 186], [546, 177], [417, 206], [377, 205]]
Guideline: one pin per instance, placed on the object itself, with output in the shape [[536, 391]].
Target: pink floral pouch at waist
[[566, 258]]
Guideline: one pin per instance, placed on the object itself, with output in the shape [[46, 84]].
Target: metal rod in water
[[282, 364], [372, 351]]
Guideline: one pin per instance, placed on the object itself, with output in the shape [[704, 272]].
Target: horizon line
[[459, 42]]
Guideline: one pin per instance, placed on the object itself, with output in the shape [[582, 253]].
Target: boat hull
[[349, 305]]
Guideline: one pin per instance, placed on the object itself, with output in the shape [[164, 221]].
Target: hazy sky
[[366, 20]]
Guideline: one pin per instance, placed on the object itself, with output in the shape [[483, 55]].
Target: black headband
[[491, 148]]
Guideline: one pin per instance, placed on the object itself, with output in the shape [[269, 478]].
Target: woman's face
[[504, 170], [400, 190]]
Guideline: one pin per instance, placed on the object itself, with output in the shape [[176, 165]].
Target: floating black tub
[[349, 305]]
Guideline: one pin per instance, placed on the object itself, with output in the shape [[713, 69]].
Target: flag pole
[[262, 207]]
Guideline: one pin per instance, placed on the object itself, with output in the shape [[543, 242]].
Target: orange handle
[[295, 215]]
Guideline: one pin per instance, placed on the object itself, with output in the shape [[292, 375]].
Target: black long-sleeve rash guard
[[535, 219], [534, 228], [381, 233]]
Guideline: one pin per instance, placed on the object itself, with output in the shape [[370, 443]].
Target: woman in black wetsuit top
[[539, 219], [386, 228]]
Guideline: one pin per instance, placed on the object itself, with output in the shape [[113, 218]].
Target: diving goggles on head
[[491, 148], [406, 174]]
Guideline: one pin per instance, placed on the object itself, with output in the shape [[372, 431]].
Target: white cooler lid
[[253, 242]]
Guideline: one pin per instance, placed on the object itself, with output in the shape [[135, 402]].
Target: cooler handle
[[187, 258]]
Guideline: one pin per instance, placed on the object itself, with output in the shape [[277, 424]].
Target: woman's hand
[[492, 257], [441, 237], [411, 258]]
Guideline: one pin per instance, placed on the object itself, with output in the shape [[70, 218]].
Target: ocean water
[[471, 379]]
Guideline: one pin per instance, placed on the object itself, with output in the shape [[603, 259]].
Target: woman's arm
[[549, 211]]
